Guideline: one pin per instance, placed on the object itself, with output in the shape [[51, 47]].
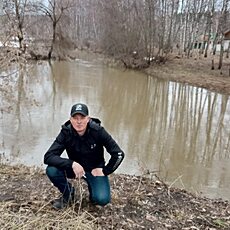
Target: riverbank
[[195, 72], [137, 203]]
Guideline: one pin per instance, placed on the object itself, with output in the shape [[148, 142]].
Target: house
[[227, 35], [202, 40], [226, 41]]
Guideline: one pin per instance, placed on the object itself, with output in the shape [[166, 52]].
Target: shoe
[[60, 203], [64, 202]]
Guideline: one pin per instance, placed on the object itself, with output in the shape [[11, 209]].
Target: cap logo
[[79, 107]]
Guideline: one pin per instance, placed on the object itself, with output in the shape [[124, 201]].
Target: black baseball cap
[[79, 108]]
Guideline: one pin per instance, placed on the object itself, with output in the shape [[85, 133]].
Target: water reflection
[[181, 132]]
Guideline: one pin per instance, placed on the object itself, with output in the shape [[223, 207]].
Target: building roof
[[226, 31]]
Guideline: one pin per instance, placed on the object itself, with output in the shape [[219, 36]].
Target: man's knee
[[52, 171], [101, 200]]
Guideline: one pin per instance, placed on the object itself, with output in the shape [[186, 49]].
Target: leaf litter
[[137, 203]]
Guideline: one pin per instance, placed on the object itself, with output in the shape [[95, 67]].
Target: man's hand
[[97, 172], [78, 170]]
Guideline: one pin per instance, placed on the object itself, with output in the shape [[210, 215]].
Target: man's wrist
[[105, 172]]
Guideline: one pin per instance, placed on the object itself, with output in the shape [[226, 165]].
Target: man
[[84, 140]]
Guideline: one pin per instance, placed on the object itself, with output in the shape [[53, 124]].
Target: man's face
[[79, 122]]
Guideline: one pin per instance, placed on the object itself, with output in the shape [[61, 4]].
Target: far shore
[[194, 71]]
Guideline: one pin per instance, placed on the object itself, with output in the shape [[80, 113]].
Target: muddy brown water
[[180, 132]]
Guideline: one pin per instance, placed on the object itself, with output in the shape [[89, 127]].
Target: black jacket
[[87, 150]]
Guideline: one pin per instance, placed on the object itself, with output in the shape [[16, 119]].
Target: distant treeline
[[144, 28]]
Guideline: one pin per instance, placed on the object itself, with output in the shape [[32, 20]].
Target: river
[[180, 132]]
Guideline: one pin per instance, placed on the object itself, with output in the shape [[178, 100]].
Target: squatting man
[[84, 140]]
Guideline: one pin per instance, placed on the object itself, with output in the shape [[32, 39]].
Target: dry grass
[[25, 218], [26, 206], [137, 203]]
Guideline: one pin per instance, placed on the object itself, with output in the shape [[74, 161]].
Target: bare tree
[[222, 25], [210, 14], [150, 28], [172, 27], [15, 11], [54, 10]]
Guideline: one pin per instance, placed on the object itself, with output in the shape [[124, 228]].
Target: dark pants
[[99, 187]]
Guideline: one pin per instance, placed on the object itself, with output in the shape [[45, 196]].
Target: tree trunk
[[221, 55], [228, 50], [209, 34], [53, 41], [213, 67]]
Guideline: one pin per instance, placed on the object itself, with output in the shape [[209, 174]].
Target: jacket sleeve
[[117, 155], [53, 156]]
